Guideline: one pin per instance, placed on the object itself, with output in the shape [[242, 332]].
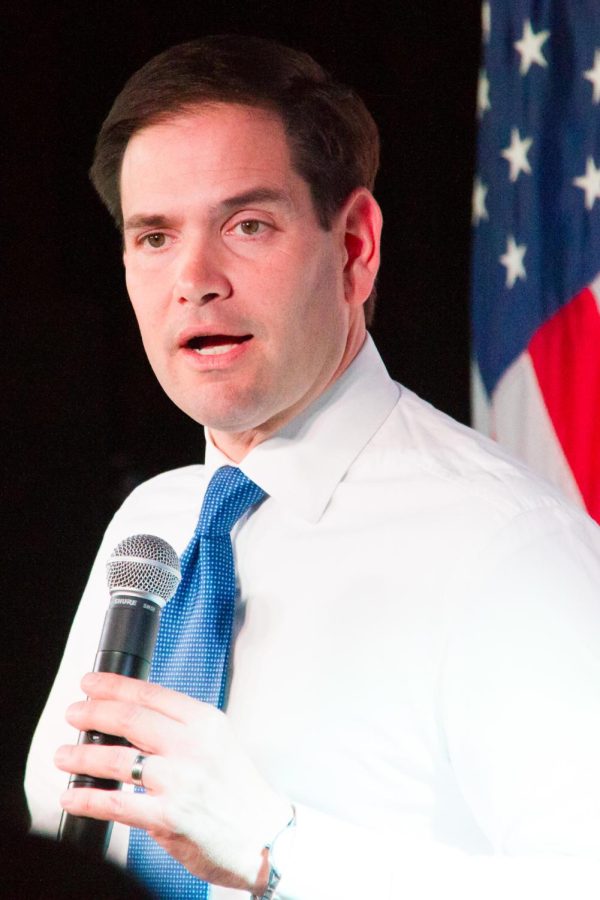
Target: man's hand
[[205, 802]]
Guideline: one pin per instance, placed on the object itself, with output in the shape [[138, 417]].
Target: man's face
[[238, 292]]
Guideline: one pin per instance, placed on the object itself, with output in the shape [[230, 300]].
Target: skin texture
[[221, 244]]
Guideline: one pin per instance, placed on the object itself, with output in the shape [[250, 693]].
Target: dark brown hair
[[333, 139]]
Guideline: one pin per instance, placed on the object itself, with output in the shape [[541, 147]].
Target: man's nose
[[201, 276]]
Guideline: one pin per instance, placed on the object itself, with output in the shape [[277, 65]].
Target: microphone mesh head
[[144, 564]]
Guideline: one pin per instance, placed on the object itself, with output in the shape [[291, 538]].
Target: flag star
[[516, 154], [483, 94], [513, 260], [486, 21], [593, 75], [590, 183], [480, 212], [530, 47]]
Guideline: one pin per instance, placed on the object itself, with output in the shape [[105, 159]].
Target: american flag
[[536, 247]]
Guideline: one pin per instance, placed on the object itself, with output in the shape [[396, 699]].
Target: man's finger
[[136, 810], [142, 727], [108, 686], [115, 763]]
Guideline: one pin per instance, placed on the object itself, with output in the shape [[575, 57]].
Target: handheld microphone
[[142, 574]]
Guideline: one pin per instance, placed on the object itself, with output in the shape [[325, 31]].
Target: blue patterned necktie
[[192, 650]]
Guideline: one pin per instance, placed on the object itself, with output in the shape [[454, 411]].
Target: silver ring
[[137, 770]]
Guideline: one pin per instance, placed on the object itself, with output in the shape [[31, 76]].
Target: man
[[414, 676]]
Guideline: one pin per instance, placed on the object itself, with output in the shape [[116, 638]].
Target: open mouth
[[216, 344]]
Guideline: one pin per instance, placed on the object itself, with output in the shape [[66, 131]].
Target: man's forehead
[[233, 154], [207, 120]]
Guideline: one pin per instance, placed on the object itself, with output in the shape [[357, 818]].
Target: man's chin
[[228, 421], [218, 406], [238, 417]]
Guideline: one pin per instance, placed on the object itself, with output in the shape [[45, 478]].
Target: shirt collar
[[302, 464]]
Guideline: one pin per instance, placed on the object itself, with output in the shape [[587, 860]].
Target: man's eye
[[155, 240], [250, 226]]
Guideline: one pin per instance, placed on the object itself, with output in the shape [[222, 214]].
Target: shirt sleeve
[[332, 859], [521, 700], [43, 781], [519, 712], [160, 506]]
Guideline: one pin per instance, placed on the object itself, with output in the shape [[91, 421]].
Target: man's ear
[[361, 220]]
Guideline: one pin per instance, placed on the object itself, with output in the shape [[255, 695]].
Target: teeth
[[216, 350]]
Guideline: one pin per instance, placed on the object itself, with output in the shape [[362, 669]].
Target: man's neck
[[236, 445]]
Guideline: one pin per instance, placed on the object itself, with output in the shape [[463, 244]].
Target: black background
[[84, 419]]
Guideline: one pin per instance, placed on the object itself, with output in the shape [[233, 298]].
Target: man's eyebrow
[[256, 195], [145, 221], [247, 198]]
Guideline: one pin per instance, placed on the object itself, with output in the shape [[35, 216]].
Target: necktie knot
[[229, 495]]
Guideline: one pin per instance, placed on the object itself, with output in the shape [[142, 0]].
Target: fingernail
[[60, 756], [66, 799], [73, 712]]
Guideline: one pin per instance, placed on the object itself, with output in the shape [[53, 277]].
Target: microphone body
[[140, 585]]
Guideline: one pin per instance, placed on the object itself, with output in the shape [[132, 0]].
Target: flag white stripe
[[517, 399]]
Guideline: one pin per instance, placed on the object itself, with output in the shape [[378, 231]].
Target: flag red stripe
[[565, 353]]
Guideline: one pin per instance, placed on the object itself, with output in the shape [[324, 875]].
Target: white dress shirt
[[416, 658]]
